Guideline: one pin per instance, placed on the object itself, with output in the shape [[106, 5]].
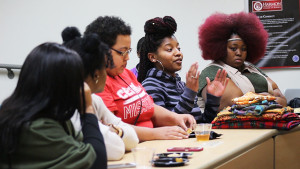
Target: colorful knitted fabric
[[254, 109], [281, 110], [250, 98], [264, 113], [257, 125], [264, 117]]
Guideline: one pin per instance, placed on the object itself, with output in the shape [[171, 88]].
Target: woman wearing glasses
[[125, 96]]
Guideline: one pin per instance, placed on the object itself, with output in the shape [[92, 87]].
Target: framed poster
[[281, 18]]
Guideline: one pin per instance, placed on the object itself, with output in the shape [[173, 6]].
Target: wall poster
[[281, 18]]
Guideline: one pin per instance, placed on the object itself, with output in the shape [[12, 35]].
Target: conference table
[[287, 149], [236, 148]]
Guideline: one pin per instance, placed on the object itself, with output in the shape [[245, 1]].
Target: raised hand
[[218, 85], [192, 77]]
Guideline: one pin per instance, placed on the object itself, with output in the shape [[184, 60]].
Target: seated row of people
[[114, 110]]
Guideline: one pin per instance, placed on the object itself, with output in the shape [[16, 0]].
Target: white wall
[[26, 23]]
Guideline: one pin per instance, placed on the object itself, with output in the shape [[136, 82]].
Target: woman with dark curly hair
[[234, 42], [160, 59], [125, 96]]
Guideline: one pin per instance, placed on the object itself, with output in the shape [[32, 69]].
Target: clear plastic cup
[[143, 157], [202, 131]]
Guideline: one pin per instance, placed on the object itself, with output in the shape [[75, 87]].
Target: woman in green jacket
[[35, 128]]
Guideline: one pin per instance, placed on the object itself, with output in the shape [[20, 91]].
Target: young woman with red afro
[[234, 42]]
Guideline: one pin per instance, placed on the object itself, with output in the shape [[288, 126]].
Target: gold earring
[[97, 79]]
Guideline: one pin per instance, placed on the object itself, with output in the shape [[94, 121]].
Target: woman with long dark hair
[[35, 127]]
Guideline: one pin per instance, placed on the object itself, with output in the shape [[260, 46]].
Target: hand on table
[[170, 133], [185, 121]]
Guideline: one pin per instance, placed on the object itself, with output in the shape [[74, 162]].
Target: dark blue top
[[171, 93]]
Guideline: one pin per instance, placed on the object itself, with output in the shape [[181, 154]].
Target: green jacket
[[46, 144]]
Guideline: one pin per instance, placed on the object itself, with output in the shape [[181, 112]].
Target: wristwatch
[[116, 129]]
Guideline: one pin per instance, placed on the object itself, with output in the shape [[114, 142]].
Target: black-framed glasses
[[122, 53]]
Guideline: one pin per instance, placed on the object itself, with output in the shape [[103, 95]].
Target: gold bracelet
[[118, 129]]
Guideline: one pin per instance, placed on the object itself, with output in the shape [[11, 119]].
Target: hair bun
[[152, 25], [164, 26], [70, 33], [171, 23], [91, 43]]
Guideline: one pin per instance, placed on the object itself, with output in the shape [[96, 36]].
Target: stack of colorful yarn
[[256, 111]]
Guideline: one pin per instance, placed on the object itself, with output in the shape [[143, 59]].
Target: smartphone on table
[[184, 149]]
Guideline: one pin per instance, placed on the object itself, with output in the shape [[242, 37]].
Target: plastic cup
[[143, 157], [202, 131]]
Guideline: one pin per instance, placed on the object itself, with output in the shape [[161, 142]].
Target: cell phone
[[188, 149], [123, 165]]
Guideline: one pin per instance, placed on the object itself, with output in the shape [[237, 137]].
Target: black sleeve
[[92, 135], [211, 108]]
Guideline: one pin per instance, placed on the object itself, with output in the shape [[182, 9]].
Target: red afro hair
[[218, 28]]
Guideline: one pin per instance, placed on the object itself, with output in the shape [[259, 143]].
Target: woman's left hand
[[218, 86]]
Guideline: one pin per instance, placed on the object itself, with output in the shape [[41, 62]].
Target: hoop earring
[[161, 65]]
